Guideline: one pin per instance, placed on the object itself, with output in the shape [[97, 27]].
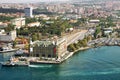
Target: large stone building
[[7, 36], [18, 22], [34, 24], [3, 25], [49, 49]]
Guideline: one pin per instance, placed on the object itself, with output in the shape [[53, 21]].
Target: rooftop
[[17, 19], [47, 43], [44, 43]]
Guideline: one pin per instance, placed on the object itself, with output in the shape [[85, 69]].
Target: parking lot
[[105, 41]]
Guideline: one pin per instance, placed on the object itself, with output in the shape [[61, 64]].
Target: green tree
[[30, 20], [76, 45], [34, 37], [10, 27], [5, 18], [97, 31], [71, 48], [14, 44]]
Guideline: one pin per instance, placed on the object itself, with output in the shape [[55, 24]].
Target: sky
[[23, 1]]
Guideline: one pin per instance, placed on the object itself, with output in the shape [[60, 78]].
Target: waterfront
[[101, 63]]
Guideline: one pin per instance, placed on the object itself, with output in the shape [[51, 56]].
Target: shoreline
[[69, 54], [97, 45], [56, 62], [81, 49]]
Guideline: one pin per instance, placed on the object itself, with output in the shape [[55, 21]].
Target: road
[[72, 38]]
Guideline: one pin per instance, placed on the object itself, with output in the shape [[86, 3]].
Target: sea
[[102, 63]]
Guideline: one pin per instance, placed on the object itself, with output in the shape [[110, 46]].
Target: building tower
[[29, 12]]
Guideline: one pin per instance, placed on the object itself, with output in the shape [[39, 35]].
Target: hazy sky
[[22, 1]]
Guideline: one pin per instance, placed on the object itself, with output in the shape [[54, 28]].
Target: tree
[[89, 38], [26, 46], [107, 22], [34, 37], [30, 20], [80, 22], [97, 31], [76, 45], [71, 48], [84, 42], [10, 27], [6, 18], [14, 44]]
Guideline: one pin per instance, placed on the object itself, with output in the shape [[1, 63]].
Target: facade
[[33, 24], [49, 49], [6, 54], [18, 22], [61, 47], [107, 30], [8, 37], [29, 12], [44, 49], [3, 25], [94, 21]]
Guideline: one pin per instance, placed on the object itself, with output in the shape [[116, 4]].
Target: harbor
[[105, 42], [16, 62], [84, 64], [36, 60], [27, 61]]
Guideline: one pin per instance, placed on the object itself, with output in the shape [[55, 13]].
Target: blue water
[[94, 64]]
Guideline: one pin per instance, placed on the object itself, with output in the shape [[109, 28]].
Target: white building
[[18, 22], [33, 24], [94, 21], [7, 37], [108, 30], [3, 25], [29, 12]]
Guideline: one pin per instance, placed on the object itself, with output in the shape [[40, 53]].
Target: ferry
[[15, 62], [9, 64]]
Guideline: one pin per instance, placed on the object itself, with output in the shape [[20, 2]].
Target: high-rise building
[[29, 12]]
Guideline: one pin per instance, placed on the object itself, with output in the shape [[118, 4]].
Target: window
[[49, 55], [43, 55]]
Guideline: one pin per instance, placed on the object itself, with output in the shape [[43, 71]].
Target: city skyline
[[35, 1], [31, 1]]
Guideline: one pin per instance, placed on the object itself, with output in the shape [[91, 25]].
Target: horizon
[[47, 1], [30, 1]]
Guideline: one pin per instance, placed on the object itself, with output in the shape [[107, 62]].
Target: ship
[[13, 62]]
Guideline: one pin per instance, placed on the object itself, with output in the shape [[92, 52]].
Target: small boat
[[15, 62], [6, 64]]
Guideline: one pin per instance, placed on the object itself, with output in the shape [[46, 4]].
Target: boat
[[15, 62], [43, 62], [9, 64]]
